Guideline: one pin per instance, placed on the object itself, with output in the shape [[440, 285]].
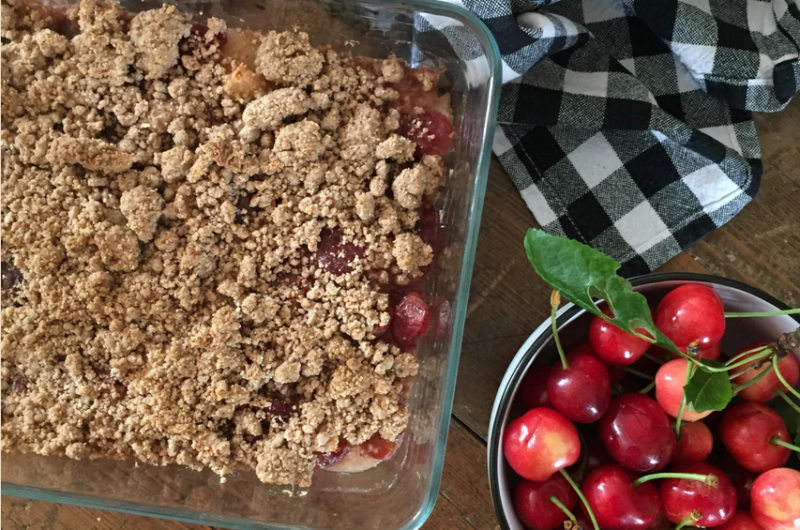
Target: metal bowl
[[573, 324]]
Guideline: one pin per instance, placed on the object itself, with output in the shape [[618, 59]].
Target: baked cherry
[[539, 443], [715, 500], [244, 208], [411, 320], [694, 443], [637, 433], [691, 313], [335, 254], [533, 506], [670, 379], [380, 448], [326, 460], [612, 344], [616, 503], [430, 130], [582, 391], [763, 390], [747, 431], [11, 276], [740, 520], [533, 388], [776, 499]]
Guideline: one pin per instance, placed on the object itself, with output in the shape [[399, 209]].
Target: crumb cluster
[[165, 187]]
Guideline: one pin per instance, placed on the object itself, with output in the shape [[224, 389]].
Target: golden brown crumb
[[163, 200]]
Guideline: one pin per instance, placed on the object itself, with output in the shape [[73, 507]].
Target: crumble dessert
[[210, 241]]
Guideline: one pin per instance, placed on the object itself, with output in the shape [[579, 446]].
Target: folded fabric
[[626, 124]]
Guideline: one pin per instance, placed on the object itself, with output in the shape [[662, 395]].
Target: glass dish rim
[[490, 48]]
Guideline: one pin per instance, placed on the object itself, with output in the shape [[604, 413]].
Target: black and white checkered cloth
[[626, 124]]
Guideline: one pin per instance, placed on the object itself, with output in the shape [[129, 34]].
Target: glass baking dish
[[401, 492]]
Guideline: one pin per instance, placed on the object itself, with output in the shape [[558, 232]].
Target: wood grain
[[761, 246]]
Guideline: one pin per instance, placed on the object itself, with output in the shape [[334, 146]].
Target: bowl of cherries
[[663, 402]]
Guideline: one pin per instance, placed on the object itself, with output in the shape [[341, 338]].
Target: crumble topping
[[165, 190]]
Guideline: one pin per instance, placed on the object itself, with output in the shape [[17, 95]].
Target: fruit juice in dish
[[213, 241]]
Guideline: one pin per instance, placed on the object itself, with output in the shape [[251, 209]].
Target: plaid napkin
[[626, 124]]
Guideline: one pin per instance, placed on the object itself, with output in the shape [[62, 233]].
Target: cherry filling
[[11, 276], [430, 130], [280, 409], [376, 447], [244, 209], [380, 448], [335, 254], [326, 460]]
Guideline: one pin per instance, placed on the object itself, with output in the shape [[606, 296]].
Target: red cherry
[[670, 380], [411, 320], [615, 374], [682, 496], [741, 520], [539, 443], [612, 344], [430, 130], [616, 503], [533, 388], [746, 431], [694, 444], [582, 391], [533, 506], [692, 313], [335, 254], [776, 499], [637, 433], [764, 389]]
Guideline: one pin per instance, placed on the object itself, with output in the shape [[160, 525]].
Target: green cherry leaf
[[582, 275], [708, 390]]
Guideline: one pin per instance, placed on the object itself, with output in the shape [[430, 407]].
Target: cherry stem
[[555, 301], [787, 399], [635, 372], [765, 313], [678, 420], [745, 354], [766, 352], [582, 498], [781, 378], [648, 388], [739, 388], [563, 508], [777, 441], [710, 479], [693, 518]]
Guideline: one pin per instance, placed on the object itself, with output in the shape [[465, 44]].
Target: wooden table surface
[[761, 246]]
